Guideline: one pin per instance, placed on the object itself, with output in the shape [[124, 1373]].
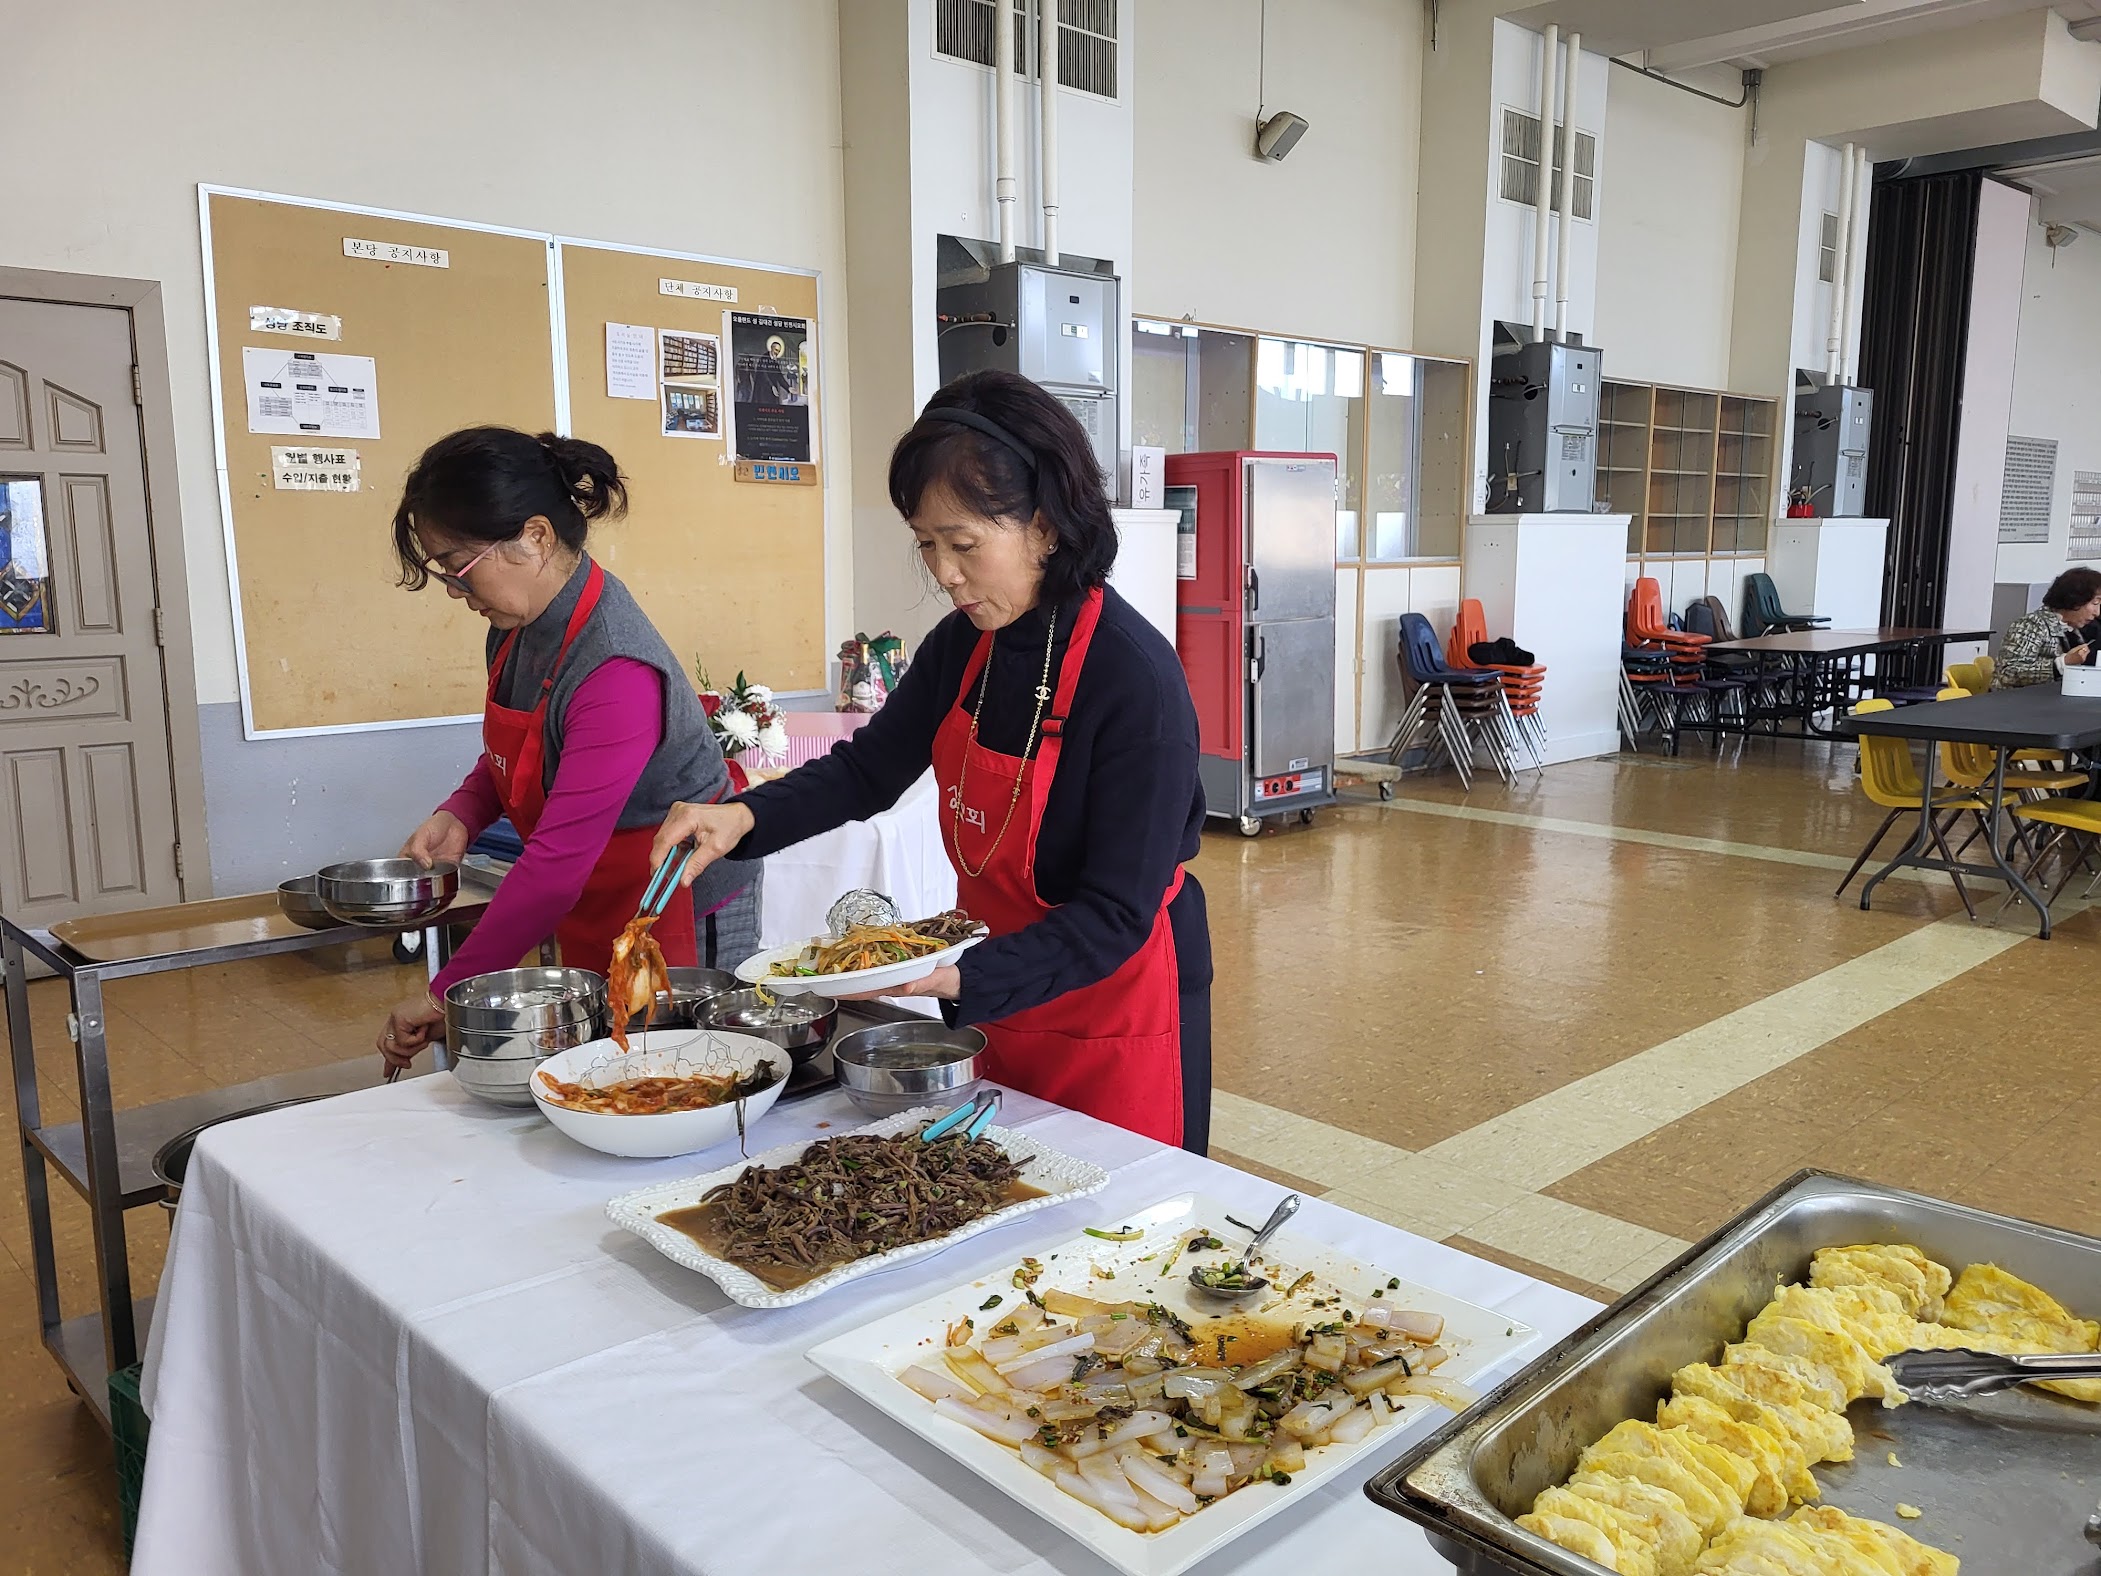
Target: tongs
[[972, 1117], [1957, 1375], [656, 897]]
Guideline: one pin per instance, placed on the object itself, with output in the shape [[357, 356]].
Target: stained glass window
[[25, 572]]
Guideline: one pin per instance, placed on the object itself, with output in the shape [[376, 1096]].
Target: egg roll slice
[[1581, 1537], [1872, 1315], [1713, 1497], [1779, 1396], [1912, 1558], [1899, 1267], [1628, 1537], [1779, 1470], [1988, 1300], [1747, 1545], [1804, 1380], [1833, 1350], [1667, 1526]]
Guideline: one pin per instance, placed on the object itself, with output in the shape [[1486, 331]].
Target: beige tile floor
[[1568, 1025]]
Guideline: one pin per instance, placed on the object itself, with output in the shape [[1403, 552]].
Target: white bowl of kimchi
[[674, 1092]]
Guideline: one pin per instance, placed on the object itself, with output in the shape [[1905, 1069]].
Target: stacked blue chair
[[1453, 709]]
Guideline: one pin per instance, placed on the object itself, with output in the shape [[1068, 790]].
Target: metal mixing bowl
[[387, 894], [500, 1026], [690, 990], [799, 1025], [895, 1066], [299, 900]]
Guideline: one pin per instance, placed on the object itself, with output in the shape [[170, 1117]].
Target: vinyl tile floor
[[1569, 1025]]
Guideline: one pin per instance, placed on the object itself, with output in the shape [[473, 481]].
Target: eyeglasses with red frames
[[454, 578]]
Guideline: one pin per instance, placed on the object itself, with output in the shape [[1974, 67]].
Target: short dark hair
[[1058, 479], [2073, 588], [481, 484]]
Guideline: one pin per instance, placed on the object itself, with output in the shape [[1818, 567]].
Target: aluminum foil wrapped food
[[861, 907]]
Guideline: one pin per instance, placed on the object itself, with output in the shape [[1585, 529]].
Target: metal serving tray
[[2006, 1483]]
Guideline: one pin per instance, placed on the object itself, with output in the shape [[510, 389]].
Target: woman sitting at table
[[1060, 731], [2041, 645]]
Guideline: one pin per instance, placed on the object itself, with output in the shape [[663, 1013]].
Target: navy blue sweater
[[1125, 808]]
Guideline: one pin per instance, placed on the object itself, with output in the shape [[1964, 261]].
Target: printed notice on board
[[304, 393], [314, 470], [394, 252], [630, 361], [694, 290], [284, 320], [772, 359]]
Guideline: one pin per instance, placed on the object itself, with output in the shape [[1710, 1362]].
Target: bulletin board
[[730, 570], [326, 638]]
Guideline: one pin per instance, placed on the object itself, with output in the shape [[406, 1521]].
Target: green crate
[[130, 1427]]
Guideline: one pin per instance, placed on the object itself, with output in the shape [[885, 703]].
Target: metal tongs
[[1958, 1375], [972, 1117]]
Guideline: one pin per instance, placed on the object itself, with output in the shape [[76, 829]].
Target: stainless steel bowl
[[799, 1025], [895, 1066], [500, 1026], [299, 900], [690, 990], [171, 1162], [387, 894]]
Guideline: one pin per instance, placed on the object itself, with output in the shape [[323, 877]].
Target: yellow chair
[[1890, 778], [1987, 665], [1966, 676], [1976, 677], [2076, 819], [1971, 765]]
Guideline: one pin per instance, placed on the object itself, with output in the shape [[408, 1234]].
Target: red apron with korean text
[[1111, 1049], [515, 743]]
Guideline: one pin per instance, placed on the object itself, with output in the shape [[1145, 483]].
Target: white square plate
[[1060, 1176], [868, 1360]]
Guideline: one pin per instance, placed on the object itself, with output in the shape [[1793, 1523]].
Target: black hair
[[2072, 589], [1047, 469], [481, 484]]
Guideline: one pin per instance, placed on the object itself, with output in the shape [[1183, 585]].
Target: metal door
[[1290, 523], [1293, 705], [87, 795]]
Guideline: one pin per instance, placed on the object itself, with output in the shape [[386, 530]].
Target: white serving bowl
[[676, 1053]]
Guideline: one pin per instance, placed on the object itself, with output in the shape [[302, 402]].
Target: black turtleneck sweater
[[1124, 811]]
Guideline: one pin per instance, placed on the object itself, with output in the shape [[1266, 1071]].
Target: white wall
[[1321, 245], [2057, 386], [1667, 232]]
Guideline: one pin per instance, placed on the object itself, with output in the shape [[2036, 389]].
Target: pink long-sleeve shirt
[[614, 723]]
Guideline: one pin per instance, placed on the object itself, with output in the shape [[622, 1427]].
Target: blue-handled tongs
[[973, 1118], [656, 897]]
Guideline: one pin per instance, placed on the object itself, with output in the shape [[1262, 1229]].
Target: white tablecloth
[[396, 1333], [898, 852]]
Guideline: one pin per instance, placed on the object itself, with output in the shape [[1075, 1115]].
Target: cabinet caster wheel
[[1386, 791], [1305, 817], [408, 946], [1251, 826]]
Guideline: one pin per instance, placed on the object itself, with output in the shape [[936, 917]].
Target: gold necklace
[[1043, 694]]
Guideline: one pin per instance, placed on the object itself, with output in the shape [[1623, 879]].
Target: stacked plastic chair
[[1763, 614], [1460, 711], [1663, 671], [1522, 684]]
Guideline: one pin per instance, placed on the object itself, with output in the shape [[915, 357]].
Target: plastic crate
[[129, 1426]]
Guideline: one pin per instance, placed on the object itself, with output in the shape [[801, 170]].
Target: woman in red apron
[[1060, 732], [590, 730]]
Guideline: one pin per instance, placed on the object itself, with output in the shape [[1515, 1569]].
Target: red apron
[[1111, 1049], [514, 743]]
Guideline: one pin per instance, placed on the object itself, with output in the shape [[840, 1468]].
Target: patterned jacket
[[2029, 654]]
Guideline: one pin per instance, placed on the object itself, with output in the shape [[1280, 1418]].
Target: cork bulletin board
[[465, 325]]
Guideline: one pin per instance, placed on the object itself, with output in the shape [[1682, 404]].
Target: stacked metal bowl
[[501, 1026], [386, 894]]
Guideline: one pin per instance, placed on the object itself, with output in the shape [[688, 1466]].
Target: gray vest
[[688, 762]]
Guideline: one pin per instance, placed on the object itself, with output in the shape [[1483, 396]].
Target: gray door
[[87, 798], [1291, 539], [1294, 700]]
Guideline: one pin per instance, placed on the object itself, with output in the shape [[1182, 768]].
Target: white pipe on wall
[[1834, 363], [1047, 78], [1003, 119], [1860, 179], [1567, 235], [1542, 212]]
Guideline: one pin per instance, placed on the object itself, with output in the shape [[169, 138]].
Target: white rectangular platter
[[1061, 1177], [868, 1360]]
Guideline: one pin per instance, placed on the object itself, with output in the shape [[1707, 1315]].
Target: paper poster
[[390, 252], [1148, 477], [694, 290], [630, 361], [691, 368], [315, 470], [772, 361], [1183, 501], [304, 393], [286, 320]]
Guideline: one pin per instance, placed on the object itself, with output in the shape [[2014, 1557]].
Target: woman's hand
[[944, 984], [442, 838], [713, 829], [2076, 656], [410, 1027]]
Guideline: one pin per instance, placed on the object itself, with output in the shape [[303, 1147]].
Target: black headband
[[959, 417]]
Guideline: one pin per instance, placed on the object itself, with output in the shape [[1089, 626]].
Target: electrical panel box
[[1831, 448], [1542, 425], [1055, 326]]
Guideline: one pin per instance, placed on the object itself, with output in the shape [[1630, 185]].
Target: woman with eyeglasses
[[591, 731]]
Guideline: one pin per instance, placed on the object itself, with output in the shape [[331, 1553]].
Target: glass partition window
[[25, 560], [1309, 399]]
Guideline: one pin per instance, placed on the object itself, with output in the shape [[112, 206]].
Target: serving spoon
[[1286, 1208]]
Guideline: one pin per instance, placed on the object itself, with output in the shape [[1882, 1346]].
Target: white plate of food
[[1120, 1294], [867, 958], [675, 1093], [741, 1240]]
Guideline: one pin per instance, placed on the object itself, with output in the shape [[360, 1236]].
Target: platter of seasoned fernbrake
[[1746, 1412]]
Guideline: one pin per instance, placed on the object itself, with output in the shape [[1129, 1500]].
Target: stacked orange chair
[[1522, 685], [1659, 664]]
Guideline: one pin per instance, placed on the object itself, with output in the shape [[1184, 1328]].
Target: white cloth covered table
[[898, 852], [396, 1333]]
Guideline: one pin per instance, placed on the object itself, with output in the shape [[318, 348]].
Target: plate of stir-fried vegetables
[[866, 958], [1153, 1424]]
